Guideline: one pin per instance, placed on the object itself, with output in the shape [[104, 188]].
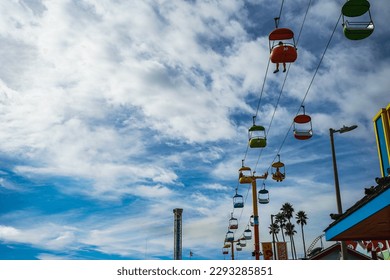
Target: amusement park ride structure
[[357, 24]]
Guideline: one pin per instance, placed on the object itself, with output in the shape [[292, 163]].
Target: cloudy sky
[[115, 112]]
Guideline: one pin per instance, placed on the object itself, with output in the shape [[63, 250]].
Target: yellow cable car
[[245, 175], [278, 171]]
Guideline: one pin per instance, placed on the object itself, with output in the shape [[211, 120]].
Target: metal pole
[[337, 189], [232, 254], [255, 219], [273, 237], [336, 175]]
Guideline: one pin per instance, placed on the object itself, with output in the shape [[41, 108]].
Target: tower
[[177, 233]]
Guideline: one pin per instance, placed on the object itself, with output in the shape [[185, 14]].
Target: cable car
[[252, 221], [233, 223], [238, 247], [226, 244], [238, 200], [248, 234], [243, 242], [225, 251], [278, 171], [229, 236], [363, 26], [282, 52], [256, 135], [263, 195], [303, 129], [245, 175]]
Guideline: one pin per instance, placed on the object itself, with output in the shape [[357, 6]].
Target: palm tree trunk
[[303, 240]]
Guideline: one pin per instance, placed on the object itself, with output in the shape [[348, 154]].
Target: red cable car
[[303, 129], [233, 223], [282, 52]]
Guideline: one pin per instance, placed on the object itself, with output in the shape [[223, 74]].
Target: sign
[[281, 248], [267, 250]]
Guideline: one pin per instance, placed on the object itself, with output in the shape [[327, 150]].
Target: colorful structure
[[368, 219], [382, 134]]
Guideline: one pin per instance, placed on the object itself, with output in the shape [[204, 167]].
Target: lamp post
[[336, 179], [273, 237]]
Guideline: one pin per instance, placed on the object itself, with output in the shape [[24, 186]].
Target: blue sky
[[113, 113]]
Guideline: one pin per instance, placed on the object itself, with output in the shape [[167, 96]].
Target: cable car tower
[[250, 178]]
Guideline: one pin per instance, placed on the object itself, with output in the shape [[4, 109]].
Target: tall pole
[[273, 237], [255, 219], [177, 250], [232, 251], [336, 175], [344, 129]]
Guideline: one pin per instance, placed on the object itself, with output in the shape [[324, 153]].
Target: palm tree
[[301, 220], [281, 220], [274, 229], [288, 210], [290, 231]]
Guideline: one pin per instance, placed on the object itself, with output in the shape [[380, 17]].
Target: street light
[[336, 180]]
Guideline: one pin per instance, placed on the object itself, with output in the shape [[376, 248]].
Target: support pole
[[255, 220]]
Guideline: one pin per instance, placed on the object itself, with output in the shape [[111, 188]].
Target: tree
[[290, 231], [302, 220], [274, 229], [281, 220], [288, 210]]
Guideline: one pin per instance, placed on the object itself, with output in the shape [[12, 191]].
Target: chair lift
[[263, 195], [243, 242], [278, 171], [245, 174], [248, 234], [238, 246], [282, 52], [229, 236], [303, 129], [238, 200], [252, 220], [357, 30], [233, 222], [225, 251], [256, 135]]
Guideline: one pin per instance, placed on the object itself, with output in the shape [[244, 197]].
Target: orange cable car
[[282, 52]]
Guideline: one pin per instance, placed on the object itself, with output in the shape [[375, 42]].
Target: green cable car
[[364, 26], [256, 134]]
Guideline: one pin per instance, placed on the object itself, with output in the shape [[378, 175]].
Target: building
[[369, 218]]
